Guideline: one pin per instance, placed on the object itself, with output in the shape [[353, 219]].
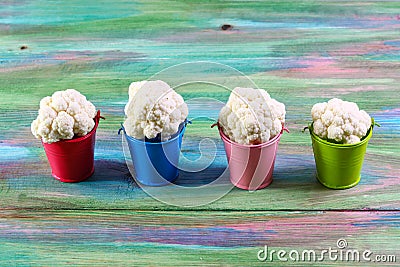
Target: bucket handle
[[187, 122], [98, 116], [285, 129], [306, 128], [121, 129], [374, 123]]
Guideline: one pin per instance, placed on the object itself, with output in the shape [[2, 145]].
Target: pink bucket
[[251, 166]]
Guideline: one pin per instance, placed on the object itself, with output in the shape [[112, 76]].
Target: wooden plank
[[142, 238], [301, 53], [111, 188]]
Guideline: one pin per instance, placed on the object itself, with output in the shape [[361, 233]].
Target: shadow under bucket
[[155, 163], [251, 166], [72, 160], [339, 165]]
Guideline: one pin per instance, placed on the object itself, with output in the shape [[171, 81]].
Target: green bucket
[[339, 165]]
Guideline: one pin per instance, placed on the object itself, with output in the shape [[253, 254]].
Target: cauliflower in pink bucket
[[340, 121], [62, 116], [251, 116]]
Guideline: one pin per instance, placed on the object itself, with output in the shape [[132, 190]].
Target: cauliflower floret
[[317, 110], [251, 116], [62, 116], [335, 133], [319, 129], [133, 89], [154, 108], [352, 139], [340, 120], [64, 124]]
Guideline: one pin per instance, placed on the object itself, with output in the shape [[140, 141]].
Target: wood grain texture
[[162, 238], [302, 52]]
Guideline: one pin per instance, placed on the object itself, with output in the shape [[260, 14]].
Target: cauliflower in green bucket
[[340, 122], [63, 116]]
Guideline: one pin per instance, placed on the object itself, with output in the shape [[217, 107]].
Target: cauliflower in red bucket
[[63, 116], [251, 116], [340, 121]]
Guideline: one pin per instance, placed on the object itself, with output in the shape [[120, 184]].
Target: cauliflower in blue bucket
[[154, 111], [340, 121]]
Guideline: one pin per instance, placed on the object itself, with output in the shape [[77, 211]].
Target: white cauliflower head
[[62, 116], [154, 108], [251, 116], [341, 121]]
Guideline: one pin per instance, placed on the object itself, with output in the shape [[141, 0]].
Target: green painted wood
[[143, 238], [301, 52]]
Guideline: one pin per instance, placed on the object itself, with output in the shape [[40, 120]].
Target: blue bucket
[[156, 163]]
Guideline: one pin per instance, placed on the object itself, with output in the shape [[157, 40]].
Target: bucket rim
[[325, 142], [157, 143], [81, 138], [269, 142]]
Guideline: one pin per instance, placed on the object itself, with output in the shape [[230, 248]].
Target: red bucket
[[72, 160]]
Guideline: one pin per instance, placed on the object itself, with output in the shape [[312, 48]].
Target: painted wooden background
[[301, 52]]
